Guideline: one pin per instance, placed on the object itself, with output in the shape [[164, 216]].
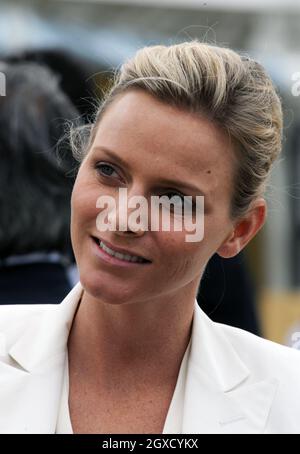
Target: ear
[[244, 229]]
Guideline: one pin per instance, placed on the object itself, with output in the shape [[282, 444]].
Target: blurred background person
[[77, 76], [35, 187]]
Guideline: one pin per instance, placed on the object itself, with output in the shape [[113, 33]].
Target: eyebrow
[[168, 181]]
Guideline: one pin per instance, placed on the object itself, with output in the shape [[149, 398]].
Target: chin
[[103, 289]]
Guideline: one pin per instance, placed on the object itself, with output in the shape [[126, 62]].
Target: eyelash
[[99, 165], [98, 168], [175, 193]]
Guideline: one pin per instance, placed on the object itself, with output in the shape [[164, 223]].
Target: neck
[[145, 339]]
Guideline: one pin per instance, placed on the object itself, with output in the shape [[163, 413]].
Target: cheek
[[83, 216], [216, 229], [83, 205], [179, 256]]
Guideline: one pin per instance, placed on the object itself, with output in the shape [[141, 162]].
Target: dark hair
[[35, 176]]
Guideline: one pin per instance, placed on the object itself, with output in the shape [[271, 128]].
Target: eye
[[180, 201], [105, 170], [177, 197]]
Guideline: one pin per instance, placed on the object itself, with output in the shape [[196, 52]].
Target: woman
[[129, 350]]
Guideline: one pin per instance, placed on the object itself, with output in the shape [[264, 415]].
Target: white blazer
[[236, 382]]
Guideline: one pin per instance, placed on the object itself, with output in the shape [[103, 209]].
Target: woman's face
[[150, 148]]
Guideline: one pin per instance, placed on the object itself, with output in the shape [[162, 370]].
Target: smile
[[125, 258]]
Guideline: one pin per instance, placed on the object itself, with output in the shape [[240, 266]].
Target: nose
[[129, 233], [131, 213]]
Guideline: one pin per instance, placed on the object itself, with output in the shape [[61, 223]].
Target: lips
[[117, 250]]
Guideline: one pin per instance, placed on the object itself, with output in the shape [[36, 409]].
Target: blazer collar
[[221, 395], [211, 352], [50, 332], [213, 355], [31, 376]]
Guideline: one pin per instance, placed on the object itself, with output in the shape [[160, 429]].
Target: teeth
[[126, 257]]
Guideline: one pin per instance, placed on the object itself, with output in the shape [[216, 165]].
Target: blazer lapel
[[31, 374], [220, 394]]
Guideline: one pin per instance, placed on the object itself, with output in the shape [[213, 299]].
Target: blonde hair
[[232, 90]]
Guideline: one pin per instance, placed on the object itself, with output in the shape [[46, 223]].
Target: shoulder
[[261, 354], [278, 365], [14, 319], [10, 312], [268, 360], [23, 312]]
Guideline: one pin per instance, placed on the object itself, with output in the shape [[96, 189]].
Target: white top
[[173, 423], [236, 383]]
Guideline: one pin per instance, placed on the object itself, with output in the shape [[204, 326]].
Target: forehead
[[158, 138]]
